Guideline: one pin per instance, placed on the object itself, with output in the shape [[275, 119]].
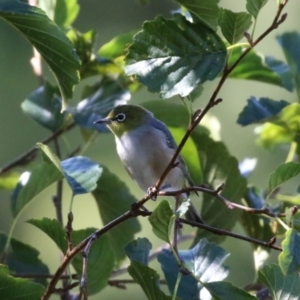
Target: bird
[[146, 146]]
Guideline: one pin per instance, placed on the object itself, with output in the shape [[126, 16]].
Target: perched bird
[[145, 147]]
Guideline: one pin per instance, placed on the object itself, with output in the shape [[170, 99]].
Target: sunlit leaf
[[65, 13], [9, 180]]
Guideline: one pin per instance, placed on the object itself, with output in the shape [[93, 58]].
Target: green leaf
[[227, 291], [9, 180], [254, 6], [289, 258], [283, 172], [204, 261], [49, 156], [162, 220], [81, 174], [48, 39], [100, 260], [263, 69], [219, 167], [139, 250], [173, 57], [148, 279], [205, 11], [18, 288], [234, 25], [279, 285], [53, 229], [44, 106], [23, 259], [65, 13], [260, 110], [113, 199]]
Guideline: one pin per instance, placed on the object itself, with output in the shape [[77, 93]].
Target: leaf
[[49, 156], [205, 261], [218, 167], [18, 288], [22, 258], [102, 98], [65, 13], [148, 279], [9, 180], [254, 6], [44, 106], [173, 57], [255, 66], [113, 199], [138, 250], [206, 11], [100, 260], [289, 258], [280, 286], [48, 39], [260, 110], [290, 42], [81, 174], [227, 291], [53, 229], [234, 25], [283, 172], [162, 220]]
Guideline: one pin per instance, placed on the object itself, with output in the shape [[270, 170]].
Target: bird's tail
[[193, 215]]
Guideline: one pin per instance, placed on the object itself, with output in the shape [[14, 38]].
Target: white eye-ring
[[120, 117]]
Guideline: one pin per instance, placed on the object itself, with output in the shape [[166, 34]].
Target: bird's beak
[[103, 121]]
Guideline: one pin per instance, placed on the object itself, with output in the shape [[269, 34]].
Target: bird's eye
[[121, 117]]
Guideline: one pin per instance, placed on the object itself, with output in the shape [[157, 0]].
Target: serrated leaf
[[227, 291], [139, 250], [255, 66], [173, 57], [205, 261], [23, 259], [162, 220], [44, 106], [289, 258], [148, 279], [9, 180], [206, 11], [113, 199], [102, 98], [48, 39], [18, 288], [281, 287], [219, 167], [53, 229], [234, 25], [81, 174], [260, 110], [254, 6], [283, 172], [100, 260]]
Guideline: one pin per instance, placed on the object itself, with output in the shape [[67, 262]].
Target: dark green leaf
[[254, 6], [234, 25], [65, 13], [260, 110], [289, 258], [53, 229], [9, 180], [148, 279], [173, 57], [18, 288], [264, 69], [290, 43], [48, 39], [44, 106], [206, 11], [227, 291], [205, 261], [100, 260], [219, 167], [162, 220], [113, 199], [280, 286], [81, 174], [139, 250], [283, 172]]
